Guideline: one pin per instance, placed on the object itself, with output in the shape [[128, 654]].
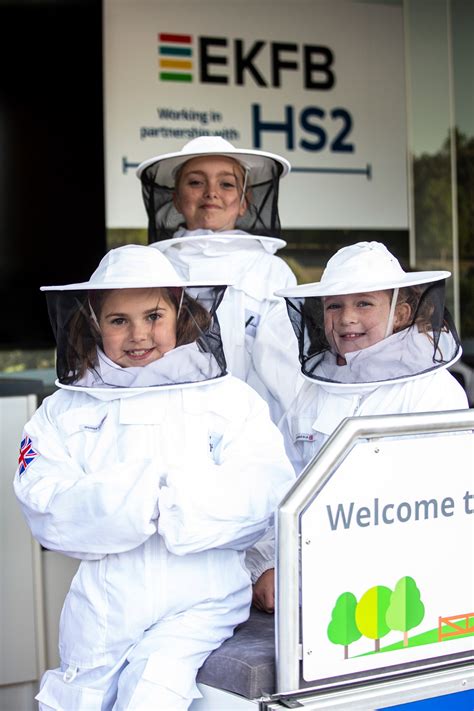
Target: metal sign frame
[[305, 489]]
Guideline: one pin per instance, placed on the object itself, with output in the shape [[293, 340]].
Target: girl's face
[[356, 321], [209, 192], [137, 326]]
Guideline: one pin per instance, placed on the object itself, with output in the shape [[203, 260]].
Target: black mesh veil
[[198, 355], [260, 218], [427, 341]]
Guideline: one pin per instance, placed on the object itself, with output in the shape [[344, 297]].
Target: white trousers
[[157, 674]]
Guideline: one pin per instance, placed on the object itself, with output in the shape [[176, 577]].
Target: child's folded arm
[[229, 504], [85, 515]]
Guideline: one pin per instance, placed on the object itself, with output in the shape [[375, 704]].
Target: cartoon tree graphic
[[406, 609], [370, 613], [343, 629]]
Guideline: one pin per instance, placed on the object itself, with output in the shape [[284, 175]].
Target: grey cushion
[[245, 663]]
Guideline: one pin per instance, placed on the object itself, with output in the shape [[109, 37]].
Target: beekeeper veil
[[84, 330], [423, 341], [261, 173]]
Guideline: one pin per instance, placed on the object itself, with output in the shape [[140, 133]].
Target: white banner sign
[[318, 81], [387, 550]]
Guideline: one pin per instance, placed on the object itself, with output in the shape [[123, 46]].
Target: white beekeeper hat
[[260, 164], [426, 342], [74, 312], [362, 267], [132, 266]]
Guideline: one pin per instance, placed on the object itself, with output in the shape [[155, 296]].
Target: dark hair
[[80, 347], [428, 312], [419, 298], [193, 319], [84, 336]]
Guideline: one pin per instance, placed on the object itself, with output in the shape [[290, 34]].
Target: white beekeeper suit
[[158, 489], [404, 372], [258, 340]]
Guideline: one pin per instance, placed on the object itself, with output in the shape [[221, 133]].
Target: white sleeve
[[84, 515], [439, 392], [275, 355], [261, 556], [294, 454], [229, 503]]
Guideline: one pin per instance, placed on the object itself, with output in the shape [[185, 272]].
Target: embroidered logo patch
[[305, 437], [252, 320], [27, 455], [94, 428], [214, 441]]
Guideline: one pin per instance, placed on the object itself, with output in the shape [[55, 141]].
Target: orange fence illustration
[[455, 627]]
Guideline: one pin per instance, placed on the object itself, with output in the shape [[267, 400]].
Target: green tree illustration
[[343, 629], [370, 613], [406, 609]]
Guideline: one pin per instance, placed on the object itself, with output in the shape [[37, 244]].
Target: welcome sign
[[319, 81], [387, 551]]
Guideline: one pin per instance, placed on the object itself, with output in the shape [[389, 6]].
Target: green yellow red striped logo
[[175, 57]]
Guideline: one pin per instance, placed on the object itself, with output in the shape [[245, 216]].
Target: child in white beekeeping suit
[[213, 211], [373, 340], [156, 469]]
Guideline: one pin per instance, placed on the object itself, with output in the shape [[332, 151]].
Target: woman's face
[[209, 193], [356, 321], [137, 326]]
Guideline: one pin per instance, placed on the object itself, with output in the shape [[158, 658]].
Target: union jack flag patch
[[27, 455]]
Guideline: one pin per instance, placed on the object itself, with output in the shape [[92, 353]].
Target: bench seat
[[245, 663]]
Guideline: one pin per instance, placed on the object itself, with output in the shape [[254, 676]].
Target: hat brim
[[90, 286], [260, 164], [266, 242], [336, 288]]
